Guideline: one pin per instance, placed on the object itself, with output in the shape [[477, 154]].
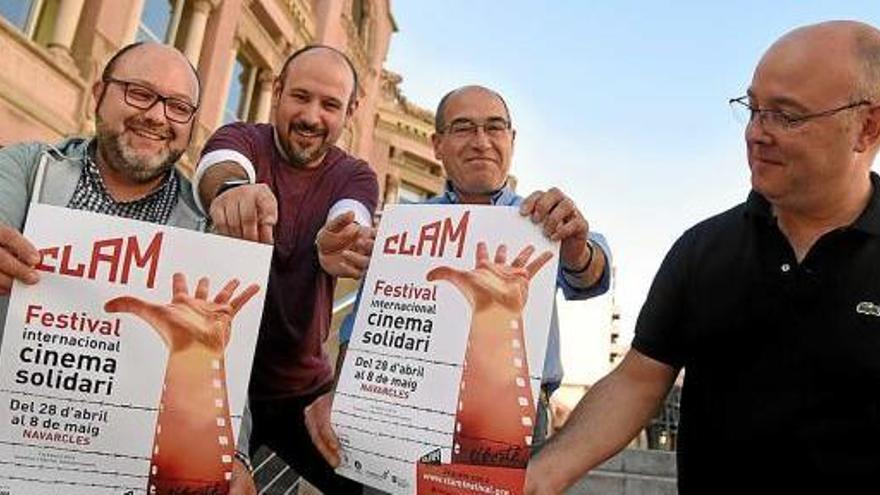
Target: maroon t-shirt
[[290, 359]]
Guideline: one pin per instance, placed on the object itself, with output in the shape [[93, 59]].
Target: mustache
[[301, 126], [140, 123]]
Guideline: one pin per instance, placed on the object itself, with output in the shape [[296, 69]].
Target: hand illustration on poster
[[494, 282], [193, 444], [489, 432]]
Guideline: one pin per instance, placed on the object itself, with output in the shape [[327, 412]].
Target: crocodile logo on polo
[[868, 308]]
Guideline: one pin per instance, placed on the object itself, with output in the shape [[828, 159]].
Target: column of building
[[66, 22], [195, 33], [264, 96]]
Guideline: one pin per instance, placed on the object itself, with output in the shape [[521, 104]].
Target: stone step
[[610, 483], [632, 472], [273, 476], [639, 461]]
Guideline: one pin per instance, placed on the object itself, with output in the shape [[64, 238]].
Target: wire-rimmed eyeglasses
[[780, 119]]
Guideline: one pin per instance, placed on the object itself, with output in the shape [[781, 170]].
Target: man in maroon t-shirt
[[287, 183]]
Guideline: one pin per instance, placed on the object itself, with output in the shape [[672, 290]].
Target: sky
[[622, 105]]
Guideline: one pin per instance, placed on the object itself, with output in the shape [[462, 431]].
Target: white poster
[[125, 369], [439, 387]]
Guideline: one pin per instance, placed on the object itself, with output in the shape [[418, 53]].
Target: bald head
[[321, 54], [846, 48], [440, 117], [149, 54]]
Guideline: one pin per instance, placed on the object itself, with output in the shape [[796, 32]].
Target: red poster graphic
[[193, 446], [444, 402]]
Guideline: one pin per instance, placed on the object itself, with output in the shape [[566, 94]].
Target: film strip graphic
[[495, 418], [188, 415], [495, 414]]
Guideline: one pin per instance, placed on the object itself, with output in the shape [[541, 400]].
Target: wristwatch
[[231, 184], [245, 460]]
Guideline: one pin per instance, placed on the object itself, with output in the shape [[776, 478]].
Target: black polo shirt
[[782, 360]]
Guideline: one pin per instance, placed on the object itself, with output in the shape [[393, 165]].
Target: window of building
[[45, 25], [19, 13], [34, 18], [160, 20], [241, 102]]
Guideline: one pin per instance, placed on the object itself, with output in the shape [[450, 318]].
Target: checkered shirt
[[91, 195]]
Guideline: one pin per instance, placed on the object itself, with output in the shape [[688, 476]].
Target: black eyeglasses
[[494, 127], [143, 98], [779, 119]]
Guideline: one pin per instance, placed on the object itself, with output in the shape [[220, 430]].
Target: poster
[[439, 386], [125, 369]]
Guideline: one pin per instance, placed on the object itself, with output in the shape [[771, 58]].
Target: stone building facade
[[52, 51]]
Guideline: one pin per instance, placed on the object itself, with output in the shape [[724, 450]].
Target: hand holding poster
[[437, 394], [123, 370]]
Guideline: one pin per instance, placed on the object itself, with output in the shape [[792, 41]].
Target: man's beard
[[123, 159], [299, 157]]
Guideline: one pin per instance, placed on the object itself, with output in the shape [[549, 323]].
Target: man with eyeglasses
[[145, 100], [474, 140], [773, 307]]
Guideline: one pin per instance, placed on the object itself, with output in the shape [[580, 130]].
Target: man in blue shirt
[[474, 140]]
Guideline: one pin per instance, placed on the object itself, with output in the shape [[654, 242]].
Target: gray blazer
[[61, 167]]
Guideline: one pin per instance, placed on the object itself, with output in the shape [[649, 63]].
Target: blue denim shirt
[[571, 287]]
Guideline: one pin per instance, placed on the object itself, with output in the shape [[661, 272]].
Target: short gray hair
[[867, 47]]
